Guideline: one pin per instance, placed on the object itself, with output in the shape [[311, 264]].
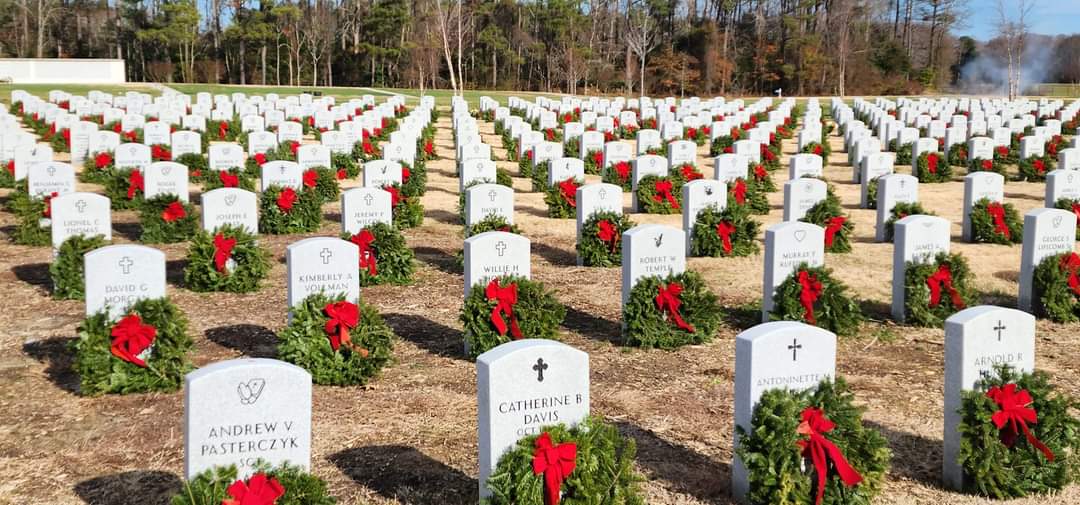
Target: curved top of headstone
[[524, 345], [971, 314]]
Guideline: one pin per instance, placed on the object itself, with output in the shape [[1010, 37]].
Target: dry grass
[[410, 437]]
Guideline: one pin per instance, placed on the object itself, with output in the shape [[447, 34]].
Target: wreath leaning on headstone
[[286, 210], [68, 269], [724, 233], [338, 342], [34, 227], [1035, 168], [96, 167], [813, 296], [323, 181], [1071, 205], [1056, 288], [1018, 436], [385, 258], [407, 211], [539, 175], [166, 219], [231, 178], [561, 199], [586, 464], [670, 311], [620, 174], [932, 167], [491, 222], [819, 148], [937, 289], [601, 239], [125, 187], [811, 447], [145, 350], [762, 178], [996, 223], [660, 195], [226, 259], [284, 484], [414, 179], [509, 308], [196, 164], [749, 194], [986, 165], [345, 162], [838, 227]]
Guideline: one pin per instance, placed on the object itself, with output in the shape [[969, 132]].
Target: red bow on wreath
[[286, 199], [811, 290], [368, 147], [555, 462], [939, 279], [1014, 414], [987, 165], [760, 173], [395, 195], [173, 212], [690, 173], [607, 233], [429, 148], [1039, 166], [343, 316], [363, 240], [818, 150], [223, 248], [739, 191], [405, 173], [102, 160], [568, 190], [130, 338], [1076, 210], [342, 174], [223, 128], [663, 192], [931, 163], [820, 450], [667, 300], [835, 225], [997, 213], [729, 149], [505, 297], [47, 211], [260, 159], [294, 147], [228, 180], [598, 158], [622, 168], [258, 490], [1071, 264], [311, 179], [1002, 151], [725, 229], [135, 183]]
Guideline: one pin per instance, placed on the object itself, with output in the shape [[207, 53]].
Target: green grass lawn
[[42, 90]]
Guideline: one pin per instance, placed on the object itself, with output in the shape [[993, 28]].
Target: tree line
[[819, 47]]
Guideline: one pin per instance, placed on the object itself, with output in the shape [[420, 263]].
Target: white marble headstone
[[117, 276], [231, 206], [322, 265], [788, 245]]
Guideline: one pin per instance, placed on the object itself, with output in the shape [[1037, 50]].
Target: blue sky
[[1050, 17]]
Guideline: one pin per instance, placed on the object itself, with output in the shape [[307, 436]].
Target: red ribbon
[[342, 174], [10, 167], [555, 462], [228, 180], [368, 148], [607, 233], [663, 192], [568, 190], [820, 450], [1076, 210], [997, 212], [943, 278], [598, 158], [258, 490], [294, 147], [173, 212], [130, 337], [818, 150], [1002, 151], [760, 173], [724, 229], [1015, 412], [690, 173], [286, 199], [343, 316], [66, 133], [47, 212], [405, 174], [395, 195], [931, 163], [160, 153], [223, 248], [260, 158], [835, 225], [549, 134], [135, 183], [223, 128], [739, 191], [505, 297], [363, 240], [1071, 264], [429, 148], [311, 178], [729, 150], [811, 290], [987, 165], [1040, 167], [667, 300], [691, 133], [622, 168], [102, 160]]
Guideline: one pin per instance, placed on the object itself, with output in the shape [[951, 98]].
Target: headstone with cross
[[593, 198], [523, 386], [976, 340], [761, 364], [48, 177], [495, 254], [1047, 232], [730, 166], [231, 206], [119, 275], [475, 171], [483, 200], [322, 265], [788, 245], [281, 173], [363, 207], [85, 214], [917, 239], [891, 190]]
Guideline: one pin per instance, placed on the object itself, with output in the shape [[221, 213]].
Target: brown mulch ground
[[410, 436]]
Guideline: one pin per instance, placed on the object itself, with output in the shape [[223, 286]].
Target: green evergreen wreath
[[901, 210], [196, 164], [753, 199], [117, 189], [992, 468], [1071, 205], [537, 312], [833, 308], [777, 470], [1007, 154], [326, 184], [917, 292], [213, 179], [943, 172], [572, 148], [58, 143], [770, 157], [594, 160], [7, 174], [987, 165], [762, 178], [525, 168], [603, 473], [346, 162], [102, 372], [394, 261], [613, 175], [1035, 168], [211, 486], [96, 167], [819, 148], [408, 212], [559, 204], [871, 193], [822, 214], [958, 155], [984, 229], [491, 222], [1053, 298], [724, 143], [539, 176], [596, 252], [304, 217], [415, 184], [249, 262], [305, 343], [647, 195], [67, 269], [33, 227], [903, 153], [707, 239], [646, 325], [155, 228]]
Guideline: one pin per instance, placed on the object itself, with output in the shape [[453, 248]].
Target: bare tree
[[1013, 33], [640, 37], [443, 21]]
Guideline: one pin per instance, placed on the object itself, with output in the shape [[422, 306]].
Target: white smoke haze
[[988, 74]]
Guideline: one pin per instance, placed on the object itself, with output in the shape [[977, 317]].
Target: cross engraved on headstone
[[602, 194], [492, 195], [999, 328], [501, 247], [539, 368], [126, 264], [80, 205], [902, 181], [368, 199], [326, 254], [795, 346]]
